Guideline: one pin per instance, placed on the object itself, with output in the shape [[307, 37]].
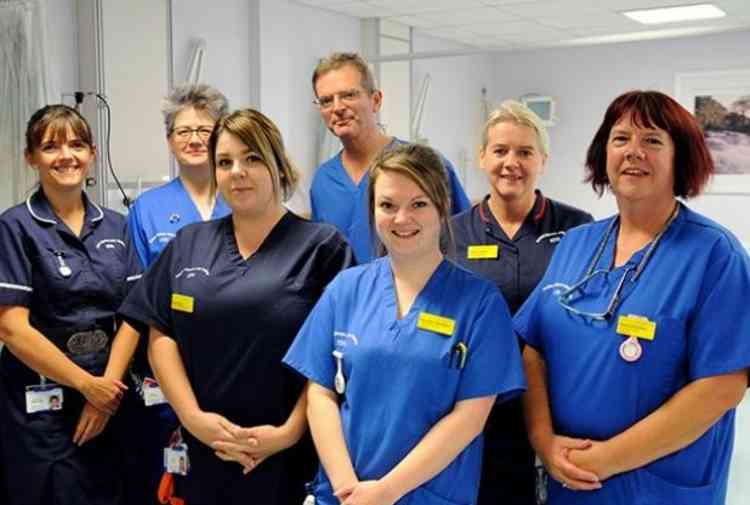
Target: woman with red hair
[[635, 360]]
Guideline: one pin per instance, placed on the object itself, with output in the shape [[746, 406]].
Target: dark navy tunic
[[40, 461], [508, 466], [233, 325]]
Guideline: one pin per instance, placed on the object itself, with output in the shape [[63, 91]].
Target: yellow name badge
[[636, 326], [438, 324], [483, 252], [183, 303]]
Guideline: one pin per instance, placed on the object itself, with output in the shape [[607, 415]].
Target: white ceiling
[[523, 24]]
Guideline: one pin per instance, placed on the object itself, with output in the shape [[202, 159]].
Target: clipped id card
[[176, 459], [43, 398], [152, 393]]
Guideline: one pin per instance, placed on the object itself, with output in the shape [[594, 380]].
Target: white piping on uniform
[[31, 211], [191, 270], [101, 212], [551, 235], [109, 241], [160, 235], [132, 278], [16, 287]]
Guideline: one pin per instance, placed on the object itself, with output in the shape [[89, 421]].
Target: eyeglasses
[[566, 295], [348, 97], [184, 133]]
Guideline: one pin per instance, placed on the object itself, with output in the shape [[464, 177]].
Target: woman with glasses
[[223, 303], [405, 355], [190, 113], [636, 353], [509, 238]]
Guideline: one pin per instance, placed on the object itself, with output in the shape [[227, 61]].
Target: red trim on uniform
[[539, 215], [482, 215]]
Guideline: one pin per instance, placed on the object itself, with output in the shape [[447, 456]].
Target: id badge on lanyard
[[44, 397], [152, 393], [176, 459]]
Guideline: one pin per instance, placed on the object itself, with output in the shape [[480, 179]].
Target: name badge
[[636, 326], [483, 252], [183, 303], [176, 459], [435, 323], [43, 398], [152, 393]]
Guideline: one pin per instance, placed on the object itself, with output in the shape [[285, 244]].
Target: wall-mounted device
[[543, 106]]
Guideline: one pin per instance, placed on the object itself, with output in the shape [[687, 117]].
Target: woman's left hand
[[594, 459], [369, 492], [90, 424], [253, 445]]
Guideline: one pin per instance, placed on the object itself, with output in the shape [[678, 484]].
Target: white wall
[[453, 109], [585, 80]]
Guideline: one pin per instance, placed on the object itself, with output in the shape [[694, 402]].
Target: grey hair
[[198, 96], [512, 111]]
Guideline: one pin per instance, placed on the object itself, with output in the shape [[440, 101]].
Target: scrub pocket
[[655, 490], [423, 496]]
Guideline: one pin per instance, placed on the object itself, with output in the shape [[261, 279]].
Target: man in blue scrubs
[[349, 103]]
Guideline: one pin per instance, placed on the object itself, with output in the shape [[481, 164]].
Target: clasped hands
[[248, 447], [578, 464]]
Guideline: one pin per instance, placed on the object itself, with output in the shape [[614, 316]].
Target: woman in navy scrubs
[[223, 302], [64, 268], [405, 355], [636, 354], [509, 238]]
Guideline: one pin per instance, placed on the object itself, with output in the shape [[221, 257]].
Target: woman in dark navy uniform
[[224, 301], [509, 238], [64, 268]]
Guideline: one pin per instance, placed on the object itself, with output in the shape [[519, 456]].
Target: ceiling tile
[[363, 10], [408, 7], [468, 16]]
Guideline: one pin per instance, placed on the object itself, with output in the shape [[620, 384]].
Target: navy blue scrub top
[[522, 260], [35, 246], [508, 474], [233, 320], [69, 284]]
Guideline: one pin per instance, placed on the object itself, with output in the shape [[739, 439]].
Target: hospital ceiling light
[[675, 14]]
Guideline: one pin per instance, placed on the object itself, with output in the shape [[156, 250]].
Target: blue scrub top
[[241, 318], [157, 214], [686, 288], [400, 381], [69, 284], [335, 199]]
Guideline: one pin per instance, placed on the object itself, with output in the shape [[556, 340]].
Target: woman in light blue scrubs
[[637, 353], [405, 355]]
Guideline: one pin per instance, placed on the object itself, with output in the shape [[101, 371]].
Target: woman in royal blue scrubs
[[65, 266], [636, 354], [509, 238], [405, 355], [223, 302]]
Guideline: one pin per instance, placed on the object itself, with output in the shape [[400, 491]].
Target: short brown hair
[[693, 165], [424, 166], [336, 61], [57, 118], [261, 135]]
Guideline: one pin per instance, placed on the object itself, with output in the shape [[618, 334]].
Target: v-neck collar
[[230, 242], [391, 301]]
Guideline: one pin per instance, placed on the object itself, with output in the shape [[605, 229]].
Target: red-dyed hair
[[693, 165]]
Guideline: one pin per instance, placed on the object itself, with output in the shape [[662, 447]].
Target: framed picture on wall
[[720, 101]]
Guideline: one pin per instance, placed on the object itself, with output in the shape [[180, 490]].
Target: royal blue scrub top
[[686, 289], [69, 284], [336, 199], [233, 319], [517, 265], [400, 379], [157, 214]]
